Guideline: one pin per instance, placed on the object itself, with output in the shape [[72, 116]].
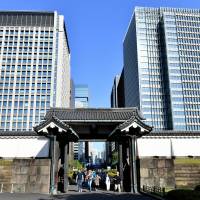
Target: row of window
[[27, 67], [187, 34], [35, 48], [27, 44], [22, 90], [188, 41], [34, 55], [186, 28], [25, 104], [25, 39], [17, 126], [25, 97], [24, 31], [21, 111], [190, 53], [192, 60], [28, 61], [22, 84], [28, 73], [27, 79], [187, 17]]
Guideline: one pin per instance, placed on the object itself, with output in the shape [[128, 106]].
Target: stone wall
[[187, 175], [157, 172], [170, 173], [5, 175], [25, 175]]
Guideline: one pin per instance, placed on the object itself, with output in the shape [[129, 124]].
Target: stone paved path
[[103, 195], [74, 195]]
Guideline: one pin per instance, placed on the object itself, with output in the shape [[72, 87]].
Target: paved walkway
[[99, 195], [74, 195]]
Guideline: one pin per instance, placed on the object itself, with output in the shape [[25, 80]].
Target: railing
[[156, 190]]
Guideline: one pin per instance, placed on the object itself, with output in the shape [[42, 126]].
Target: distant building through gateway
[[81, 98]]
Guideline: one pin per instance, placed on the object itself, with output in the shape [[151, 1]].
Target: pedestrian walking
[[90, 178], [117, 182], [79, 180], [97, 180], [107, 182], [93, 180]]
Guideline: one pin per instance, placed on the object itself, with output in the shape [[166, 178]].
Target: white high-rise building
[[34, 67]]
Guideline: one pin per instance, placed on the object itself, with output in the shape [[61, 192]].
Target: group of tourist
[[93, 178]]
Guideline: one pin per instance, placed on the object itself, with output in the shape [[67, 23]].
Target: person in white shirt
[[107, 182]]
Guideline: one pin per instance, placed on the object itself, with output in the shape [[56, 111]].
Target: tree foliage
[[75, 165], [114, 157]]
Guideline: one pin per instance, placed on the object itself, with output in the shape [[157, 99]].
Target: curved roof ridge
[[94, 114]]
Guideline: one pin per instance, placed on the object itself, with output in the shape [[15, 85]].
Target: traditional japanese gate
[[123, 125]]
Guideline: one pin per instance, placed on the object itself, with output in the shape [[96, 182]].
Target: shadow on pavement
[[102, 196]]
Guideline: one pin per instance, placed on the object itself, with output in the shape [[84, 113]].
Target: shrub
[[112, 172], [197, 188], [183, 195]]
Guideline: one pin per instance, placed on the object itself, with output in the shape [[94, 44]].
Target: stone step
[[187, 175], [187, 179], [191, 183], [189, 167], [5, 179], [186, 171]]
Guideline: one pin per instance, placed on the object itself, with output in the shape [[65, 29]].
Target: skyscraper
[[81, 101], [162, 66], [113, 97], [117, 92], [81, 96], [34, 67]]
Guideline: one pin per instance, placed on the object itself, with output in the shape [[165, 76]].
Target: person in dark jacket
[[117, 182], [79, 180]]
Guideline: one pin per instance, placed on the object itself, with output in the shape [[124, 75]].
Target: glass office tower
[[81, 101], [34, 67], [114, 94], [81, 96], [162, 66]]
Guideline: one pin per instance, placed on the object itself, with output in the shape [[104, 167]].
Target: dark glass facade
[[81, 96], [162, 66]]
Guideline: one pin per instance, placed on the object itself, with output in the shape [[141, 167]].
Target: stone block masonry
[[5, 175], [187, 173], [25, 175], [170, 173], [157, 172]]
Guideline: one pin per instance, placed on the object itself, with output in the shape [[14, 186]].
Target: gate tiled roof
[[93, 114]]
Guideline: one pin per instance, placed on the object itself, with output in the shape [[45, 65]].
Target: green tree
[[114, 158], [75, 164]]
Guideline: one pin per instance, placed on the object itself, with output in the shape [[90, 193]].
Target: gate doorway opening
[[119, 125], [90, 152]]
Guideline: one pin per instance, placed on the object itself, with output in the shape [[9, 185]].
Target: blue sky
[[96, 29]]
